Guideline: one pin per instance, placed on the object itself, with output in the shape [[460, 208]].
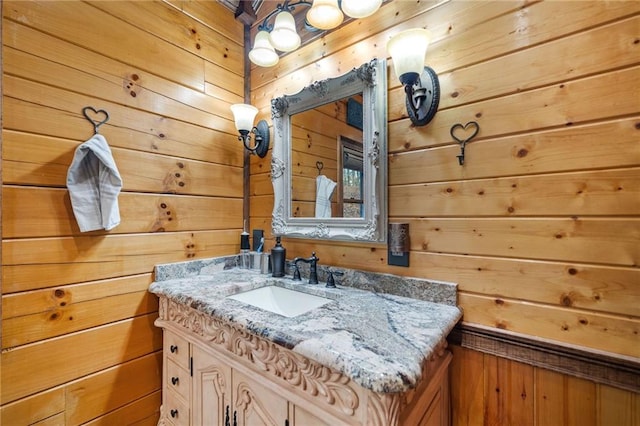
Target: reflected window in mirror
[[351, 171]]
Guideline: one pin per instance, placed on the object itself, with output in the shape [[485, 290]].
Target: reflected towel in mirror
[[324, 189]]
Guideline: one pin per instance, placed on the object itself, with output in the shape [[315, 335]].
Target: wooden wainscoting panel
[[509, 392], [566, 400], [467, 386], [618, 407], [557, 398]]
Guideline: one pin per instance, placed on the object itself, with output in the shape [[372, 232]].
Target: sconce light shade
[[263, 54], [360, 8], [243, 115], [408, 50], [284, 36], [325, 14]]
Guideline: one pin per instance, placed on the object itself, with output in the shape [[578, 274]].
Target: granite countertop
[[378, 340]]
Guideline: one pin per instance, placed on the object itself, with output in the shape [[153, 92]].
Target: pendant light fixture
[[322, 15]]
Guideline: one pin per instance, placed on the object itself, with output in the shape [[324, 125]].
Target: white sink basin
[[289, 303]]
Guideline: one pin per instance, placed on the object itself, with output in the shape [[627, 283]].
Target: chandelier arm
[[289, 7]]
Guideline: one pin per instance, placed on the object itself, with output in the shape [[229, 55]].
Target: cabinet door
[[257, 405], [211, 388]]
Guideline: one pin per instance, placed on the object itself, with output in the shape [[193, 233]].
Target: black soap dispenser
[[278, 257]]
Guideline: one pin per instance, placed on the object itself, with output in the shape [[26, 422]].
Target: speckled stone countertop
[[377, 339]]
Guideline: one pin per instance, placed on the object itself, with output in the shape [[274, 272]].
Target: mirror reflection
[[328, 164], [327, 173]]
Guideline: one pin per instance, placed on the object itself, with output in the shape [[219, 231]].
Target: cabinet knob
[[174, 413], [175, 380], [173, 349]]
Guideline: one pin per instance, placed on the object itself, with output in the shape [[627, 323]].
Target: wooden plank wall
[[488, 390], [540, 227], [79, 344]]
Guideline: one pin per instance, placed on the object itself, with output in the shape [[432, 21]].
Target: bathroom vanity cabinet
[[361, 358], [217, 374]]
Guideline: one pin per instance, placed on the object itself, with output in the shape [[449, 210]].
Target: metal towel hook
[[96, 112], [469, 131], [319, 166]]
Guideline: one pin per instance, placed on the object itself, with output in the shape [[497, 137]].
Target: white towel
[[324, 189], [94, 183]]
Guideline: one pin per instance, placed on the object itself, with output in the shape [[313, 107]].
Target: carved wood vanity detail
[[215, 373]]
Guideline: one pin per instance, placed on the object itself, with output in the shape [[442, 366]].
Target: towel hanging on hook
[[97, 112], [94, 181]]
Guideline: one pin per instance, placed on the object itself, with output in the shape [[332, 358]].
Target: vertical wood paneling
[[467, 387], [512, 393], [563, 399], [540, 227], [509, 392], [76, 312]]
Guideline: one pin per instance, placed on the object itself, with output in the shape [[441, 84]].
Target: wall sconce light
[[243, 115], [421, 85], [322, 15]]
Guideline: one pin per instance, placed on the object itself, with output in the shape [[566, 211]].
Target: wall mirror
[[329, 159]]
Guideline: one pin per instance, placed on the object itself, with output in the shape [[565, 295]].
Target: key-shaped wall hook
[[464, 134], [97, 117]]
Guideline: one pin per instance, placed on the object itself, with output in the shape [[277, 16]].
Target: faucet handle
[[296, 271], [331, 283]]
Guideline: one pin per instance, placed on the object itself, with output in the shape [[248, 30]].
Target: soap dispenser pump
[[278, 258]]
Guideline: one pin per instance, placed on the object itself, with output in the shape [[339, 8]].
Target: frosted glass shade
[[325, 14], [284, 36], [263, 54], [360, 8], [243, 115], [408, 50]]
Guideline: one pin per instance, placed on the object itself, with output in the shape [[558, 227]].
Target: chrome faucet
[[313, 268]]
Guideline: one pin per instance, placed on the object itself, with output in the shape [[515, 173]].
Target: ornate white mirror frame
[[370, 80]]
